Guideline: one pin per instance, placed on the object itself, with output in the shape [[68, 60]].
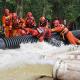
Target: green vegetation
[[64, 9]]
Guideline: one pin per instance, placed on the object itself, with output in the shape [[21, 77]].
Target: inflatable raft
[[14, 42]]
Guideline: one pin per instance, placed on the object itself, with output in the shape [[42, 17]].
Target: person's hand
[[65, 30], [3, 25], [52, 30]]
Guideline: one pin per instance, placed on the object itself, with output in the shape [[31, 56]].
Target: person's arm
[[53, 30], [58, 29]]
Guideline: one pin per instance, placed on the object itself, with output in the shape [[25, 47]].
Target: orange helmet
[[29, 14], [42, 19], [6, 12]]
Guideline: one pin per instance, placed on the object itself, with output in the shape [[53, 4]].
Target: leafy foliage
[[65, 9]]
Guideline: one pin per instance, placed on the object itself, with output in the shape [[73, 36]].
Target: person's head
[[6, 12], [29, 14], [56, 23], [42, 19], [14, 15]]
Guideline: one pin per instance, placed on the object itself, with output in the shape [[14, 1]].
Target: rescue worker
[[64, 32], [29, 23], [7, 23], [42, 31], [29, 20], [15, 23], [43, 22], [22, 26], [18, 25]]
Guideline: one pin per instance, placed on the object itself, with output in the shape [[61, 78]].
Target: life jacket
[[43, 24], [30, 22], [21, 23], [15, 23], [7, 20], [40, 30]]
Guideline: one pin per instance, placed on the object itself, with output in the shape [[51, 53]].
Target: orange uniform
[[30, 21], [22, 27], [65, 32], [42, 31], [7, 23], [43, 22], [18, 25]]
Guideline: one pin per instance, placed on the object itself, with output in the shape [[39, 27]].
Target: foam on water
[[33, 53]]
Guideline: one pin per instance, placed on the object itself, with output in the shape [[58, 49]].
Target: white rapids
[[35, 53]]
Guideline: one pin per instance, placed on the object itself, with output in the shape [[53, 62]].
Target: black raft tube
[[14, 42]]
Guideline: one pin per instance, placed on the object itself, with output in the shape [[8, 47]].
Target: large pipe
[[14, 42]]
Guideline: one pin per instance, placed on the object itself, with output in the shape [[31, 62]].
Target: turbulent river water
[[33, 53]]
